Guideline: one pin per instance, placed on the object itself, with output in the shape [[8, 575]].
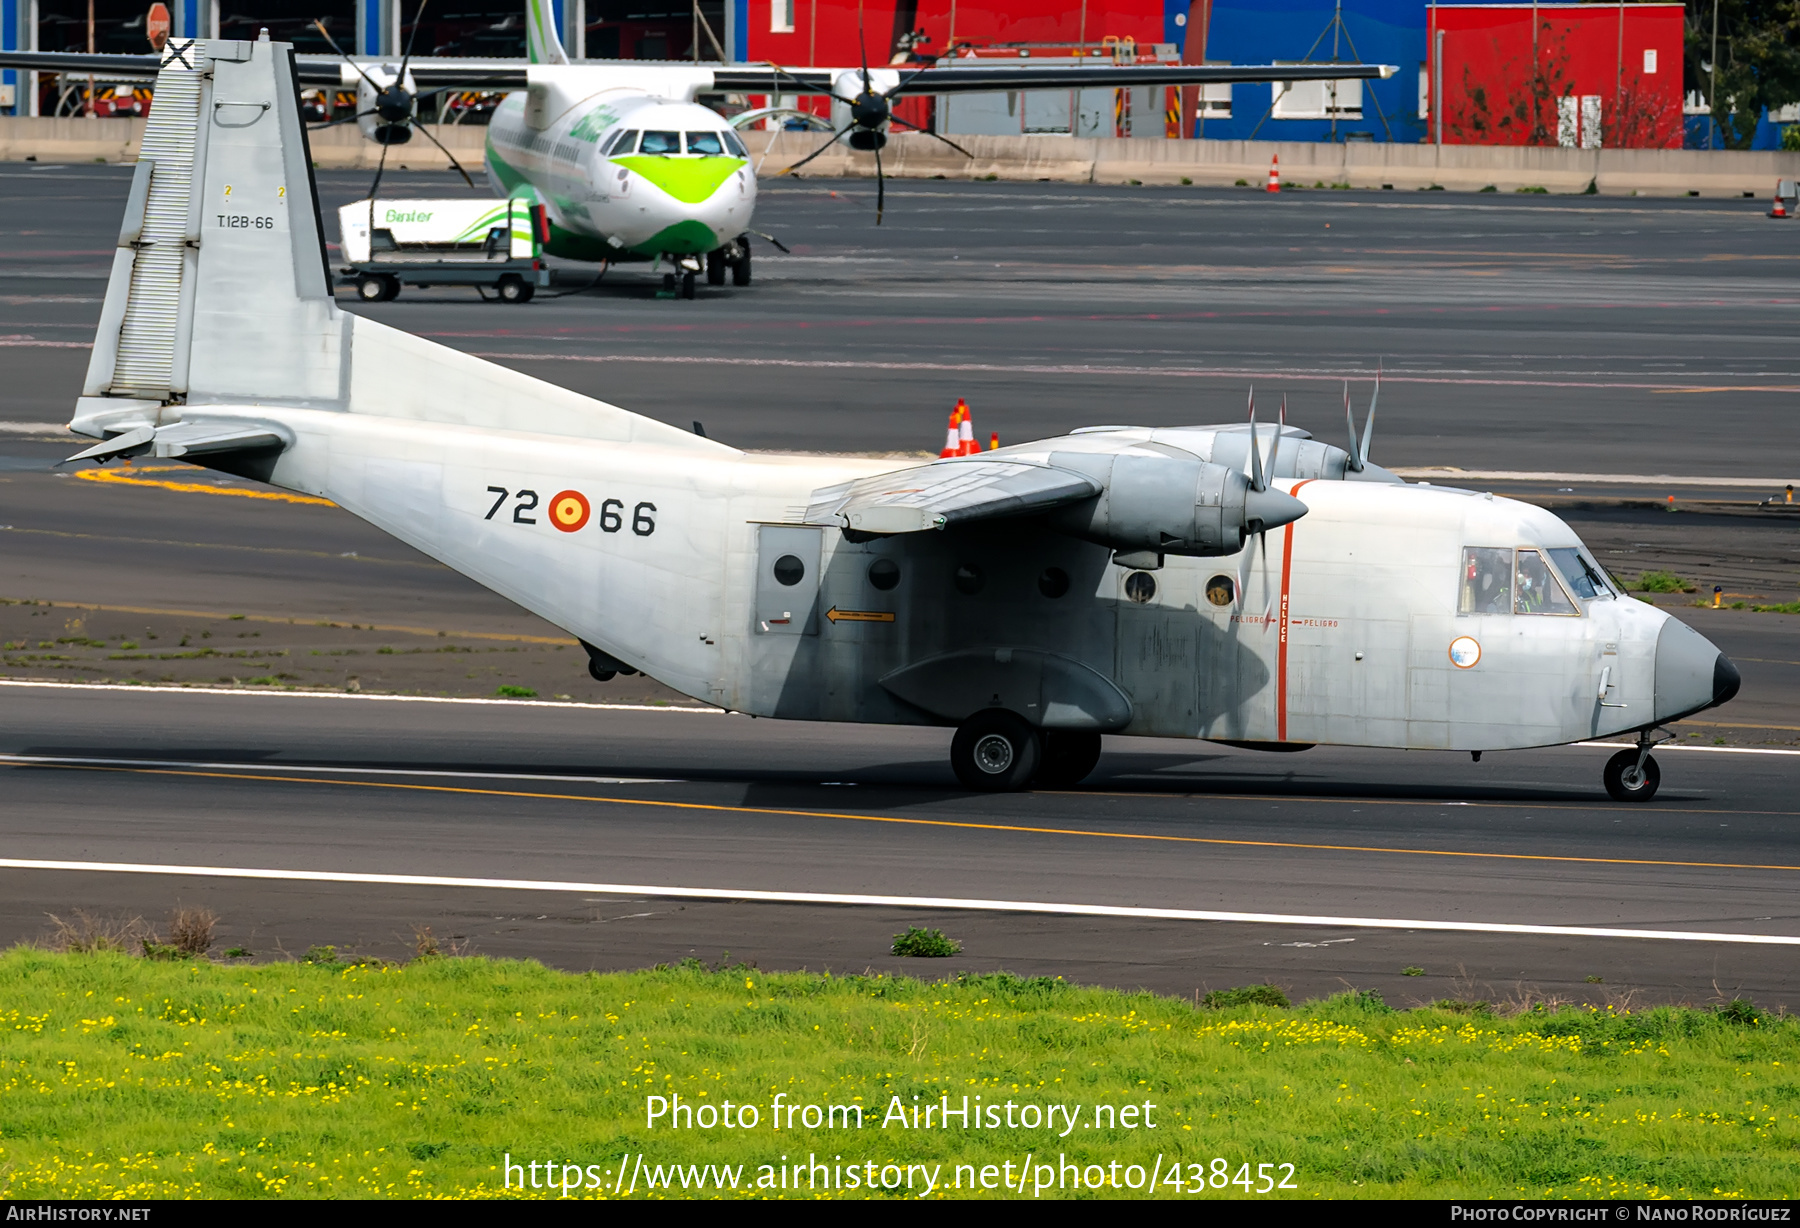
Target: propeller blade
[[934, 136], [332, 43], [835, 138], [380, 167], [863, 45], [423, 131], [778, 244], [804, 88], [1258, 482], [1355, 459], [1369, 422], [406, 59], [880, 188], [1275, 448], [343, 119]]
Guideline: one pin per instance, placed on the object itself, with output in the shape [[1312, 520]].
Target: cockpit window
[[704, 143], [621, 141], [1486, 581], [734, 144], [1581, 573], [1537, 590], [660, 143]]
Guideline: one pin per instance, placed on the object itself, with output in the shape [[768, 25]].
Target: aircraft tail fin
[[542, 42], [221, 291]]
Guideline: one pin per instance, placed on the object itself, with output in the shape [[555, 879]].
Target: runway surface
[[709, 802], [1542, 335]]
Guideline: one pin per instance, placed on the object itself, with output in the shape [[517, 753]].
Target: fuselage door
[[787, 580]]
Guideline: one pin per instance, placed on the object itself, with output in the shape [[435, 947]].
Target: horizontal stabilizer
[[947, 493], [200, 437]]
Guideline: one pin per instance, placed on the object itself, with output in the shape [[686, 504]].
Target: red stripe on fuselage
[[1281, 648]]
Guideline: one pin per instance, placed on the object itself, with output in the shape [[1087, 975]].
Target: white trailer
[[481, 243]]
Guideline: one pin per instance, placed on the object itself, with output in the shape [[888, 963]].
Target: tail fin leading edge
[[543, 44]]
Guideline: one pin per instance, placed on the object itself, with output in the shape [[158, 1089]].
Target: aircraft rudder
[[543, 44]]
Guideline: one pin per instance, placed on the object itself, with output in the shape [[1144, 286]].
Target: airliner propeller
[[394, 105], [871, 112]]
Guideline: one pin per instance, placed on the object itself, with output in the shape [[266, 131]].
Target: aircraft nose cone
[[1271, 509], [1691, 672], [1726, 680]]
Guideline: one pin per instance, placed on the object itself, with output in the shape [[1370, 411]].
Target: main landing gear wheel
[[1629, 783], [995, 752], [515, 289], [1069, 757], [715, 268], [687, 285]]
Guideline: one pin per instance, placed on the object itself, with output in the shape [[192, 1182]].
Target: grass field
[[134, 1078]]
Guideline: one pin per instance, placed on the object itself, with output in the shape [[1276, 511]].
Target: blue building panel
[[1373, 32]]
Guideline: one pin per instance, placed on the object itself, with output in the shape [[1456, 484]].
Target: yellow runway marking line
[[954, 823], [126, 477], [1732, 388], [303, 621]]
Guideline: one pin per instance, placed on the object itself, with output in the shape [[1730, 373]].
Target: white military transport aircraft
[[1033, 598], [629, 165]]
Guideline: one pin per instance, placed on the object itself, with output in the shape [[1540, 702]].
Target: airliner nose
[[1691, 672]]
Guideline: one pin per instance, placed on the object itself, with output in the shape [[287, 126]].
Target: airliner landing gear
[[995, 752], [1632, 775], [738, 257], [715, 268], [687, 285]]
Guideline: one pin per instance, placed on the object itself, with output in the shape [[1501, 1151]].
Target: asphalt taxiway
[[1538, 336]]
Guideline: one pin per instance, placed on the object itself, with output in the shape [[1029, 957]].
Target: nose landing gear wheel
[[1069, 757], [995, 752], [715, 268], [740, 268], [687, 285], [1627, 782]]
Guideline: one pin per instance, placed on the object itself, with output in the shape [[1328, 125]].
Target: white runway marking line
[[890, 901], [66, 761], [127, 689]]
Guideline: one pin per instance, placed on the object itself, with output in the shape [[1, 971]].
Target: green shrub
[[927, 944], [1533, 191], [1245, 995], [320, 955], [1412, 970], [1662, 582], [515, 692]]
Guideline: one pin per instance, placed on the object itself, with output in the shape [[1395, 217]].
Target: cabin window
[[884, 574], [1053, 582], [1581, 573], [1486, 581], [1536, 589], [735, 145], [660, 143], [705, 143], [1140, 586], [1221, 590], [619, 142]]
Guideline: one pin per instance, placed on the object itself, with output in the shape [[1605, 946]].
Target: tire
[[687, 285], [668, 283], [740, 268], [600, 675], [1069, 757], [1624, 782], [393, 288], [995, 751], [513, 289], [715, 268], [372, 288]]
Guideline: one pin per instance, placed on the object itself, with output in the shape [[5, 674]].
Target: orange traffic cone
[[993, 441], [950, 440], [965, 432], [1275, 173], [1780, 209]]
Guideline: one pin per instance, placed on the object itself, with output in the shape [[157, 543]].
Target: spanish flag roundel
[[569, 510]]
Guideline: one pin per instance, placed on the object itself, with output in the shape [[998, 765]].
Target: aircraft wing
[[947, 493], [443, 73]]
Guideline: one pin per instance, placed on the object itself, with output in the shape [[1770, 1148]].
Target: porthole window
[[969, 579], [1054, 582], [884, 574], [1221, 590], [789, 570], [1140, 586]]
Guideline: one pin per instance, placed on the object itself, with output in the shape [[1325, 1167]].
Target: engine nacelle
[[1169, 505]]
